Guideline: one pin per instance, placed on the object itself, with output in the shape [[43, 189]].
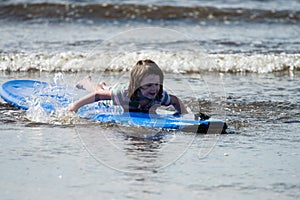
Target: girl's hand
[[72, 108], [153, 109], [178, 105]]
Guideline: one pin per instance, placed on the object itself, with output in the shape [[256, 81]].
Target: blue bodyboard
[[25, 93]]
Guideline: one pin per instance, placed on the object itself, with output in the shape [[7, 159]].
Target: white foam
[[181, 62], [257, 63]]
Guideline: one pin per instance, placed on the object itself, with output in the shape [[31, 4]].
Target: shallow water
[[53, 162], [258, 158]]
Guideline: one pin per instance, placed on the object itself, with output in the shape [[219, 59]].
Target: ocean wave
[[183, 62], [66, 11]]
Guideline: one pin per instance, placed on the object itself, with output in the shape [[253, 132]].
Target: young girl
[[144, 94]]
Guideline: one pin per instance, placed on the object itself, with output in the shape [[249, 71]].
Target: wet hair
[[141, 69]]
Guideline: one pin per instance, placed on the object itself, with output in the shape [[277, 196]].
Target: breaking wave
[[169, 62], [68, 11]]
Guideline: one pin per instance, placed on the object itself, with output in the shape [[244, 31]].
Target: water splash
[[49, 103]]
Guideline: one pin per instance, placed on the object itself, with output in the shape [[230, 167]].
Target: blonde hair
[[141, 69]]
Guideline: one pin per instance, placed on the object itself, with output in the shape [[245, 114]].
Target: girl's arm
[[90, 98], [178, 105]]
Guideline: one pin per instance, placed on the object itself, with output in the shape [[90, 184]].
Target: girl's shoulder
[[119, 95], [166, 98]]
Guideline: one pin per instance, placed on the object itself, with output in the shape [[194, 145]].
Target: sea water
[[237, 61]]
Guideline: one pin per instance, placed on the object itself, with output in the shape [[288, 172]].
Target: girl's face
[[150, 86]]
